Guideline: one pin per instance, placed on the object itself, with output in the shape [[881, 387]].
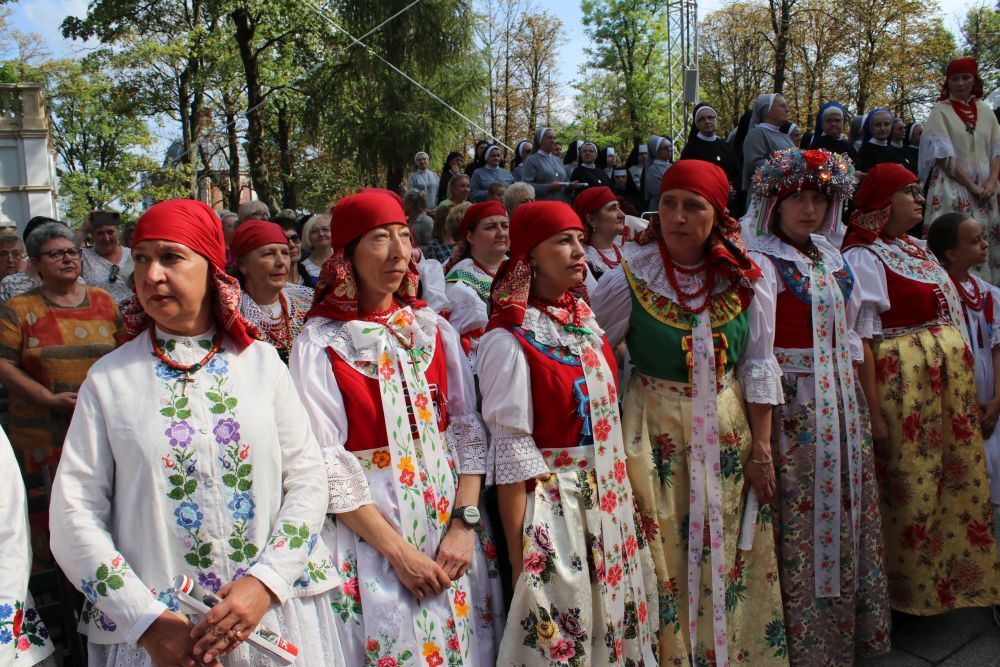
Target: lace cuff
[[761, 380], [513, 457], [869, 324], [466, 437], [856, 347], [348, 484]]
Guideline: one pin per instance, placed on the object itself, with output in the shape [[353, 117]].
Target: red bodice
[[911, 302], [559, 393], [794, 328], [363, 401]]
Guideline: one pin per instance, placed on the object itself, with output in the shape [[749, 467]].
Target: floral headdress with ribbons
[[793, 170]]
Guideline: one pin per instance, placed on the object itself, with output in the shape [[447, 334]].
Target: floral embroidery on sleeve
[[21, 626]]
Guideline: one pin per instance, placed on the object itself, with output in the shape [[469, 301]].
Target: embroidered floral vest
[[363, 402], [559, 393], [660, 331], [794, 306]]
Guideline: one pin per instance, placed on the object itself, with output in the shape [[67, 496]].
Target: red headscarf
[[725, 244], [531, 224], [592, 199], [253, 234], [195, 225], [475, 213], [336, 295], [962, 66], [872, 202]]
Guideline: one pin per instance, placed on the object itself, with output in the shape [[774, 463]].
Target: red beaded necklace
[[280, 332], [976, 300], [610, 263], [187, 370], [379, 316], [909, 247], [684, 298], [563, 310], [967, 113]]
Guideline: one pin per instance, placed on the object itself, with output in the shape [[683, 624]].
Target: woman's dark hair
[[943, 234], [290, 224]]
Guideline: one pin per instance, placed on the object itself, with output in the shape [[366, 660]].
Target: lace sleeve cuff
[[467, 439], [856, 348], [348, 484], [869, 324], [761, 380], [513, 457]]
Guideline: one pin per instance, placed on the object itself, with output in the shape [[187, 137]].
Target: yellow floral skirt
[[937, 521], [656, 422]]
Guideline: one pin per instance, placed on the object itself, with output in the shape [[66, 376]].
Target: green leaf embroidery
[[215, 397], [191, 559], [168, 412], [229, 479], [102, 572], [218, 409], [244, 485], [115, 582]]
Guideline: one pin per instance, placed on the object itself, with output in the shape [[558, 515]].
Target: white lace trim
[[645, 263], [549, 333], [513, 457], [347, 482], [299, 300], [769, 244], [324, 332], [869, 323], [466, 436], [855, 347], [761, 379]]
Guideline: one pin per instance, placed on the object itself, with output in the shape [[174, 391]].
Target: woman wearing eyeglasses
[[50, 336], [298, 274], [918, 381]]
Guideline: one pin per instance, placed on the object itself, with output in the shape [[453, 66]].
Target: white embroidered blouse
[[215, 482]]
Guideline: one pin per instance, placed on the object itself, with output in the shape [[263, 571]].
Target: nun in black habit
[[705, 145]]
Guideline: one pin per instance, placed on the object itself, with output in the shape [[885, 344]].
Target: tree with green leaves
[[371, 111], [627, 50], [101, 141]]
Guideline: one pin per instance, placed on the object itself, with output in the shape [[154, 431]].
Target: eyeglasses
[[294, 238], [58, 255], [913, 190], [320, 230], [14, 255], [113, 276]]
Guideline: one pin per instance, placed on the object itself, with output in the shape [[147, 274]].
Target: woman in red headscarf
[[278, 309], [679, 301], [190, 454], [585, 588], [482, 247], [918, 380], [417, 563], [960, 155], [604, 222]]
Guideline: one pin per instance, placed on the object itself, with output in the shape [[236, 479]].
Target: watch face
[[470, 515]]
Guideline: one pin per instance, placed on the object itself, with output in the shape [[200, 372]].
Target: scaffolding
[[682, 67]]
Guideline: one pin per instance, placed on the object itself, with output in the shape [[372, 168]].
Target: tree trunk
[[255, 125], [235, 182], [289, 197]]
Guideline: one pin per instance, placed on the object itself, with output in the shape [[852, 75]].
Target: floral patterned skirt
[[376, 614], [826, 630], [656, 421], [936, 516], [945, 195], [558, 611]]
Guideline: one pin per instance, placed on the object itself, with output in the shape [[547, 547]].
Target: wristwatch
[[469, 515]]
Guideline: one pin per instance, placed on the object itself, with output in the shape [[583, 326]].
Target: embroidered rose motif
[[602, 429], [534, 563], [188, 516], [242, 506], [562, 650], [461, 606], [385, 368], [217, 366], [180, 433], [210, 581], [381, 459], [227, 431], [542, 539]]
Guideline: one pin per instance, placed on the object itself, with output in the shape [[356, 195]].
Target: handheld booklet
[[196, 600]]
